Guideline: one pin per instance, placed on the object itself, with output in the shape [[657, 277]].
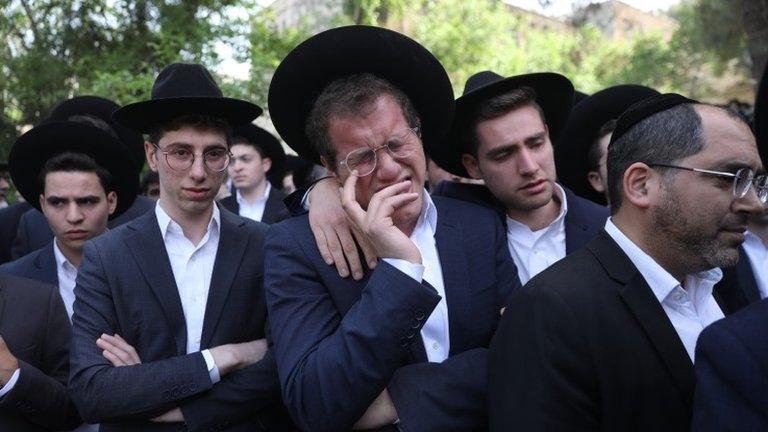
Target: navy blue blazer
[[583, 221], [274, 208], [9, 223], [125, 285], [732, 378], [339, 342], [39, 265], [33, 231]]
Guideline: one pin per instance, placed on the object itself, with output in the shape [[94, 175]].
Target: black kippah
[[646, 108]]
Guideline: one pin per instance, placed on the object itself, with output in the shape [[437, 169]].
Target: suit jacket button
[[419, 314], [411, 334], [404, 342]]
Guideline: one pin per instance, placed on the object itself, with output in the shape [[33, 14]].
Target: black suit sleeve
[[40, 394], [539, 370]]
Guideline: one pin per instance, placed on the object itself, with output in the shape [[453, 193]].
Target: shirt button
[[435, 346]]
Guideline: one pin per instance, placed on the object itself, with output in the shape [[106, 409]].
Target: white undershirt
[[757, 252], [254, 210], [689, 309], [435, 332], [534, 251]]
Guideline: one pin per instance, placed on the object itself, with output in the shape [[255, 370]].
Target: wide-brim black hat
[[761, 117], [3, 166], [269, 144], [101, 108], [185, 89], [346, 51], [33, 149], [586, 119], [554, 94]]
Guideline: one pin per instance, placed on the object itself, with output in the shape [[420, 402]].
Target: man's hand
[[173, 416], [8, 363], [381, 413], [376, 223], [117, 350], [232, 357], [333, 233]]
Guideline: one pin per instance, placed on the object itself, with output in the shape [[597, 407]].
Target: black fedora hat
[[269, 144], [33, 149], [761, 117], [554, 94], [183, 89], [587, 117], [101, 108], [350, 50]]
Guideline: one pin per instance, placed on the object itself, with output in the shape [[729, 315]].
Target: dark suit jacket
[[586, 346], [33, 231], [340, 342], [582, 222], [35, 327], [738, 287], [125, 285], [39, 265], [9, 223], [732, 373], [274, 209]]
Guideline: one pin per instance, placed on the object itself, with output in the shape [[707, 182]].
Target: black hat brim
[[269, 144], [33, 149], [584, 123], [144, 116], [554, 94], [103, 109], [761, 117], [346, 51]]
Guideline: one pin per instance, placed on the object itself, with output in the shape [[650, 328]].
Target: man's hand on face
[[232, 357], [8, 363], [376, 223], [333, 232], [381, 413], [117, 350]]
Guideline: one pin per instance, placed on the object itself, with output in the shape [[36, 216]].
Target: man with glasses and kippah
[[170, 318], [605, 338], [404, 347]]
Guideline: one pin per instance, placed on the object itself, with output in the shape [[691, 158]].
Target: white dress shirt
[[192, 269], [689, 308], [435, 333], [254, 210], [534, 251], [67, 274], [757, 252]]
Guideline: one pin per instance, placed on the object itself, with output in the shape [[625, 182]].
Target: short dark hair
[[594, 153], [195, 121], [241, 140], [496, 107], [347, 97], [75, 162]]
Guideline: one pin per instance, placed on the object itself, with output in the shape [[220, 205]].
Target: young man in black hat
[[33, 232], [170, 319], [404, 347], [605, 338], [255, 154]]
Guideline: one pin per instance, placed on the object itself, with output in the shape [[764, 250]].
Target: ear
[[595, 181], [329, 167], [640, 185], [41, 200], [266, 163], [112, 201], [149, 152], [471, 165]]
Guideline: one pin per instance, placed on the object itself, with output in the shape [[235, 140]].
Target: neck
[[538, 218], [254, 193], [193, 224], [73, 255]]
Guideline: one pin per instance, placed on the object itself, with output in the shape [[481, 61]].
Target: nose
[[526, 163], [197, 170], [749, 203], [74, 214], [387, 168]]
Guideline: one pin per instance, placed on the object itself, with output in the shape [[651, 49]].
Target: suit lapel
[[232, 243], [576, 227], [270, 208], [453, 261], [746, 277], [148, 249], [45, 261], [639, 298]]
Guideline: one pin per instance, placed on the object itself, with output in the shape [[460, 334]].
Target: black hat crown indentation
[[185, 80]]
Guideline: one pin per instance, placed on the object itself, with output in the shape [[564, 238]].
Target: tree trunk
[[755, 17]]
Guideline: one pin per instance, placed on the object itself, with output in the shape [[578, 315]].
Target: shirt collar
[[559, 194], [661, 281], [165, 222], [264, 197], [428, 211], [752, 241], [61, 260]]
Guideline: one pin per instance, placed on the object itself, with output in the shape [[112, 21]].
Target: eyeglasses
[[743, 179], [399, 146], [181, 158]]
